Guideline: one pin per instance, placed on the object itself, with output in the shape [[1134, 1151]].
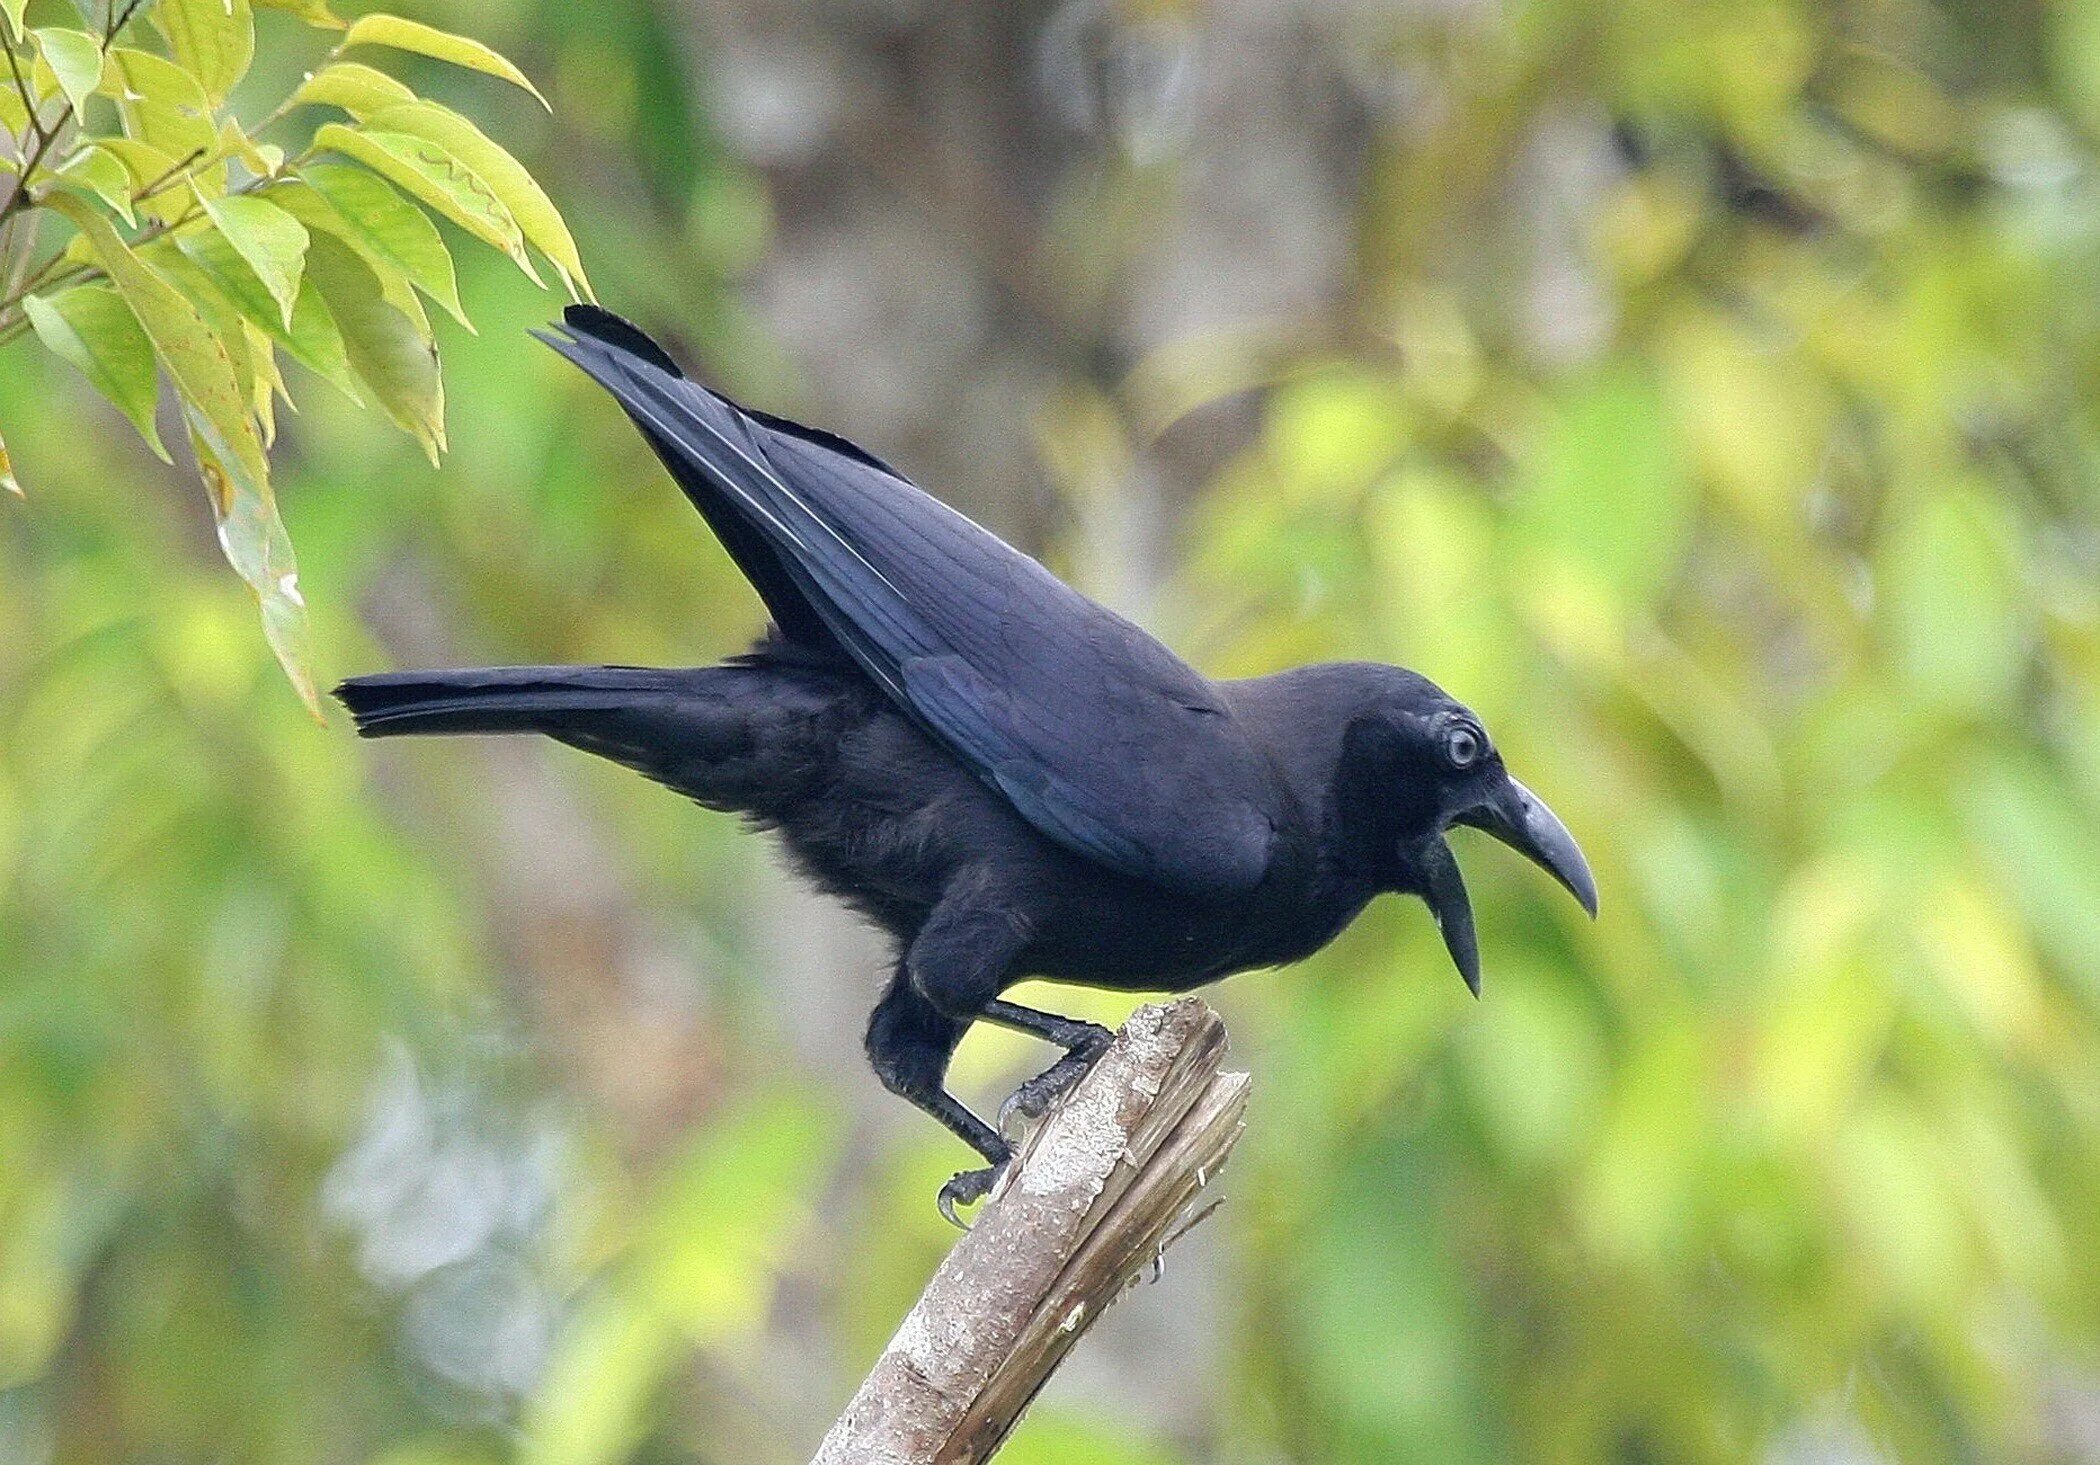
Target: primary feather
[[974, 640]]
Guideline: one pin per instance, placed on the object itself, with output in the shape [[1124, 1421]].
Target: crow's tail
[[505, 699]]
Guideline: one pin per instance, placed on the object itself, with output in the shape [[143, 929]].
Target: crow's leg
[[910, 1042], [955, 967], [1083, 1042]]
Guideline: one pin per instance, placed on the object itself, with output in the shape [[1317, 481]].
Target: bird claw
[[1033, 1099], [964, 1188]]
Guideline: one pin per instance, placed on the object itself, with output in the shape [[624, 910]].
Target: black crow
[[1008, 779]]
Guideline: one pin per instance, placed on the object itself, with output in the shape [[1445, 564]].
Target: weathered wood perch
[[1109, 1178]]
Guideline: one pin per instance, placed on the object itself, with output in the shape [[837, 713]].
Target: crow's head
[[1415, 762]]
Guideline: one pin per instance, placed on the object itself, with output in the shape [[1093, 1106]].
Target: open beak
[[1520, 819], [1515, 815]]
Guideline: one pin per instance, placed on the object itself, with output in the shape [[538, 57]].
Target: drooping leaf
[[213, 40], [91, 327], [430, 173], [527, 202], [389, 354], [268, 385], [152, 168], [269, 239], [309, 334], [225, 319], [304, 204], [408, 35], [99, 173], [313, 12], [352, 86], [369, 212], [197, 361], [75, 59], [255, 543], [159, 103]]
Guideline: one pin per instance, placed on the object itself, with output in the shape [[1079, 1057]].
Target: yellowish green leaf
[[364, 210], [389, 354], [352, 86], [75, 59], [99, 173], [269, 239], [13, 116], [307, 206], [265, 159], [160, 103], [430, 173], [12, 11], [91, 327], [408, 35], [505, 175], [220, 313], [309, 334], [197, 361], [149, 167], [253, 538], [213, 40]]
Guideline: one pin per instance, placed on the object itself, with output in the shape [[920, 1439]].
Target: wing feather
[[1097, 734]]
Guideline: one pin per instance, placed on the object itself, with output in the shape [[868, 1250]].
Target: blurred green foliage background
[[1707, 393]]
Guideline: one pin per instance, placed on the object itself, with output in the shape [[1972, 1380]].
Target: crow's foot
[[966, 1187], [1032, 1100]]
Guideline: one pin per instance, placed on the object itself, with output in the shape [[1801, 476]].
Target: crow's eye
[[1462, 747]]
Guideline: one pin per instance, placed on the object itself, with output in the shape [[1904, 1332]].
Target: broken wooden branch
[[1110, 1177]]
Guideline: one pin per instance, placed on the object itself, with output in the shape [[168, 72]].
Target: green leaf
[[91, 327], [213, 40], [409, 35], [12, 10], [388, 353], [303, 204], [148, 167], [75, 59], [430, 173], [309, 333], [197, 361], [269, 239], [265, 160], [160, 103], [99, 173], [505, 175], [352, 86], [227, 321], [255, 543], [313, 12], [13, 116], [364, 210]]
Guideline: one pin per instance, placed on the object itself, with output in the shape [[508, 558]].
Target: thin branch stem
[[14, 64], [174, 174]]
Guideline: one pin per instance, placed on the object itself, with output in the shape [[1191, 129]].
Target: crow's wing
[[1098, 735]]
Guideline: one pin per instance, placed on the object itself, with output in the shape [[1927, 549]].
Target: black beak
[[1445, 893], [1516, 816], [1513, 814]]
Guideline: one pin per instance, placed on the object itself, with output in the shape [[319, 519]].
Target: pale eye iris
[[1462, 747]]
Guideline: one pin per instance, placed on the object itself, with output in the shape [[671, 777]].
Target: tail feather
[[497, 699]]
